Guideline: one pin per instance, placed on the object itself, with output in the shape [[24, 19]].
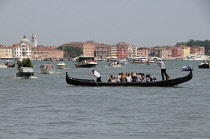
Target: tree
[[205, 44], [26, 62], [71, 50]]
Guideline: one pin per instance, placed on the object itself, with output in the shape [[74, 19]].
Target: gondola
[[164, 83]]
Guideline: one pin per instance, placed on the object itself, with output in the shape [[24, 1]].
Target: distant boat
[[2, 65], [114, 64], [25, 68], [139, 61], [61, 65], [86, 62], [10, 65], [205, 64], [199, 57], [47, 69]]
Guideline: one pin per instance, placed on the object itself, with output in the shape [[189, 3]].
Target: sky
[[144, 23]]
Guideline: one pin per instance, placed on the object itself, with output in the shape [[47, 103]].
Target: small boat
[[164, 83], [86, 62], [205, 64], [47, 69], [61, 65], [2, 65], [139, 61], [187, 68], [114, 64], [25, 72], [10, 65], [25, 68]]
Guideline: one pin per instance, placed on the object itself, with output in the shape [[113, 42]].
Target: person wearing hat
[[163, 69], [97, 75]]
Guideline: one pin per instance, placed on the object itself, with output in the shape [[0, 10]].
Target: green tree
[[205, 44], [71, 50], [26, 62]]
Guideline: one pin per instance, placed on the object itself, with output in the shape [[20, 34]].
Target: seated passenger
[[134, 77], [147, 78], [119, 77], [138, 78], [123, 77], [128, 78]]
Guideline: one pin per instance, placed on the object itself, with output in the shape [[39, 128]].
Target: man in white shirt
[[163, 69], [97, 75]]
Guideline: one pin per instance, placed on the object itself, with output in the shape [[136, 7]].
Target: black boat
[[164, 83], [11, 65], [205, 64]]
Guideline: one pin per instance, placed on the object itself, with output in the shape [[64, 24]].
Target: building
[[197, 50], [122, 50], [176, 52], [101, 52], [185, 50], [142, 52], [22, 50], [5, 52], [88, 47], [112, 52], [44, 52]]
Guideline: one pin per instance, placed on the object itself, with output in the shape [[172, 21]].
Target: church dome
[[24, 40]]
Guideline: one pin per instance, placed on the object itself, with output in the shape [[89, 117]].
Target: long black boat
[[164, 83]]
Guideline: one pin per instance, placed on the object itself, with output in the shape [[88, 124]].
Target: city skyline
[[137, 22]]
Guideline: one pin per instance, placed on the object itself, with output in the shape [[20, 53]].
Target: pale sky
[[144, 23]]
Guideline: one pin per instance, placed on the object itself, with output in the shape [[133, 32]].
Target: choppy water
[[46, 107]]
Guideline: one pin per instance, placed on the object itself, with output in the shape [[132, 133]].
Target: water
[[45, 107]]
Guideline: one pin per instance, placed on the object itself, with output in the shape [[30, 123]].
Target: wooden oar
[[93, 79]]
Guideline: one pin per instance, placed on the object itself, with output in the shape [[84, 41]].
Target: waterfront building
[[44, 52], [142, 52], [197, 50], [185, 50], [112, 52], [124, 50], [132, 50], [5, 52], [176, 51], [88, 47], [22, 50], [101, 52]]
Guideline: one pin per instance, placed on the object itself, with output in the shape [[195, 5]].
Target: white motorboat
[[61, 65], [2, 65], [114, 64], [86, 62], [47, 69], [199, 57]]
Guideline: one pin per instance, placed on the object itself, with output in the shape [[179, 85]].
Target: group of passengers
[[131, 77]]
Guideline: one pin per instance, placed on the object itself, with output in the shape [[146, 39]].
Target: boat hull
[[86, 65], [165, 83], [203, 66], [47, 70], [61, 66], [25, 74]]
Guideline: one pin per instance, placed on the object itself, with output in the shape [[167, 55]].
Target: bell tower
[[34, 40]]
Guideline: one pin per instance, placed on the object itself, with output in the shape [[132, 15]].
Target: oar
[[93, 79]]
